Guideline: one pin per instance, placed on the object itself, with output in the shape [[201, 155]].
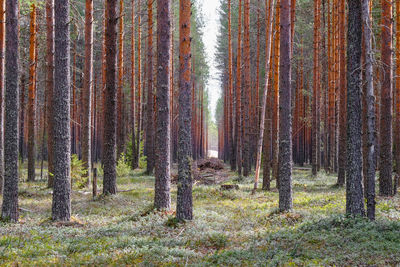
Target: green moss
[[229, 228]]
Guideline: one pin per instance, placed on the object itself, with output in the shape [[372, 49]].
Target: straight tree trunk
[[110, 115], [184, 204], [87, 90], [2, 49], [285, 118], [31, 98], [238, 124], [22, 120], [354, 188], [150, 97], [139, 84], [50, 88], [61, 206], [10, 195], [120, 94], [370, 96], [342, 98], [162, 197], [246, 89], [315, 135], [268, 34], [385, 166], [396, 136], [275, 109], [133, 89], [230, 86]]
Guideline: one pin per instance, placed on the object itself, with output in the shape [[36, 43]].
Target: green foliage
[[78, 172], [173, 222], [129, 154], [228, 229], [123, 168]]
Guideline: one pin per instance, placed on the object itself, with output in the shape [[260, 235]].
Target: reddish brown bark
[[150, 97], [184, 208], [87, 90], [385, 166], [238, 126], [50, 86], [120, 94], [268, 34], [110, 111], [31, 96]]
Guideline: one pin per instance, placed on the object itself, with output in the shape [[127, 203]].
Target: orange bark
[[120, 123], [32, 95]]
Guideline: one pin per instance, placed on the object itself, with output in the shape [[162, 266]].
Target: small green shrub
[[123, 167], [78, 172], [129, 154]]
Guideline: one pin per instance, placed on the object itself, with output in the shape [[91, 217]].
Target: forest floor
[[230, 228]]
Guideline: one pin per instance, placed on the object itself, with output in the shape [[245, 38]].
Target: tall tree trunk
[[315, 99], [370, 96], [246, 89], [396, 136], [10, 195], [22, 120], [50, 88], [230, 86], [150, 97], [139, 84], [385, 166], [31, 98], [275, 109], [238, 124], [268, 34], [133, 89], [2, 49], [87, 89], [342, 98], [285, 119], [354, 188], [61, 208], [109, 140], [120, 94], [184, 204], [162, 197]]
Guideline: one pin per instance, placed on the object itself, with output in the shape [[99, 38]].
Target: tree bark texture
[[370, 97], [184, 208], [285, 118], [354, 188], [32, 96], [150, 97], [61, 206], [50, 87], [87, 90], [162, 198], [2, 50], [110, 115], [10, 195], [385, 166]]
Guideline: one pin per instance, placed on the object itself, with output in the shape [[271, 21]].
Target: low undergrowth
[[230, 228]]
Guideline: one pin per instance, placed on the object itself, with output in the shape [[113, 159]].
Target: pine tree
[[184, 204], [10, 194], [61, 206], [162, 198]]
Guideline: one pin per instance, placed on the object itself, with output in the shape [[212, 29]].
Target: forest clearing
[[230, 228]]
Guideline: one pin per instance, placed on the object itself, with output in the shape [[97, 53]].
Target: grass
[[231, 228]]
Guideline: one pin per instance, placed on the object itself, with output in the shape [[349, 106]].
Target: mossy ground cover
[[231, 228]]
